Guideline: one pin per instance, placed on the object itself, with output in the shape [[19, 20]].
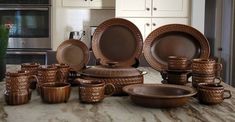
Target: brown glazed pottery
[[33, 70], [17, 98], [178, 63], [91, 91], [179, 77], [212, 94], [117, 40], [74, 53], [118, 76], [159, 95], [49, 73], [174, 40], [205, 66], [65, 69], [18, 82], [55, 92], [196, 79]]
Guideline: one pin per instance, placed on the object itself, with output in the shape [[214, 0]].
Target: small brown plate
[[117, 40], [159, 95], [74, 53], [174, 40]]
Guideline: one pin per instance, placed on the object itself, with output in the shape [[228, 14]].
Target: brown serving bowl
[[55, 92], [212, 94], [159, 95]]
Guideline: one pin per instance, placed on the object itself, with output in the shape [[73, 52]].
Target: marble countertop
[[114, 109]]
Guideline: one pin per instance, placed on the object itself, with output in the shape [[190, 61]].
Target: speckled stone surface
[[114, 109]]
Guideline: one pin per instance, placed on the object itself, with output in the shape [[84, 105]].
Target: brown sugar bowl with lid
[[211, 94], [117, 75], [33, 69]]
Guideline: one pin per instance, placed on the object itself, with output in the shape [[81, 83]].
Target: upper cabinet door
[[170, 8], [75, 3], [102, 3], [133, 8]]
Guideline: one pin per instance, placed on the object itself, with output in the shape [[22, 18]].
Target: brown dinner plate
[[117, 40], [174, 40], [74, 53], [159, 95]]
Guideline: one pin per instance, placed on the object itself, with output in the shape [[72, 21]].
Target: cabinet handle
[[91, 0], [147, 9], [154, 24], [85, 0], [154, 9], [147, 24]]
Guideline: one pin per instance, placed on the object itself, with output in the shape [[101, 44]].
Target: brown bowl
[[159, 95], [55, 92], [17, 98]]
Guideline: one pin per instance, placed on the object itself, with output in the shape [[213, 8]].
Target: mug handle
[[229, 96], [220, 80], [60, 76], [218, 68], [109, 92], [33, 77], [164, 75]]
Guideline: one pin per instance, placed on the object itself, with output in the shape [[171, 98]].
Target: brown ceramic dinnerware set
[[117, 57]]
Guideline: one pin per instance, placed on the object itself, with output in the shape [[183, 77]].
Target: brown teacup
[[91, 91], [196, 79], [212, 94], [64, 68], [55, 92], [205, 66], [178, 63], [18, 82], [33, 70]]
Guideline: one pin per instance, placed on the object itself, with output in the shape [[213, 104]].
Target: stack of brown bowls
[[204, 71], [177, 72], [17, 87]]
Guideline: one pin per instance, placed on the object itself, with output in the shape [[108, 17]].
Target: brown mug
[[33, 70], [91, 91], [18, 82], [178, 63], [178, 78], [196, 79], [49, 73], [205, 66], [65, 69], [212, 94]]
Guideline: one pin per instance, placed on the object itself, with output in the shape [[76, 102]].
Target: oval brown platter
[[174, 40], [159, 95], [74, 53], [117, 40]]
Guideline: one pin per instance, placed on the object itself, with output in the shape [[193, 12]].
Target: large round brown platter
[[117, 40], [159, 95], [74, 53], [174, 40]]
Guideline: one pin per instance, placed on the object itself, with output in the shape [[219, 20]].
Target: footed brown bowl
[[159, 95], [55, 92]]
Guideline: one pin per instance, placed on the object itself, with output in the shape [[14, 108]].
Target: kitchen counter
[[114, 109]]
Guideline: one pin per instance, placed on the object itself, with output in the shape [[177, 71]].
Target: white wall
[[66, 19], [198, 14]]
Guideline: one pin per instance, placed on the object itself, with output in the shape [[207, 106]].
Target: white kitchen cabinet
[[147, 25], [93, 4], [152, 8]]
